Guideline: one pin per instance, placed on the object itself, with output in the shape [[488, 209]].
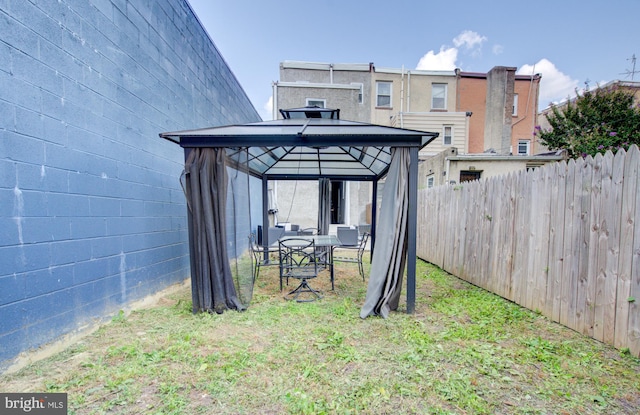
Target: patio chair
[[321, 251], [364, 228], [297, 260], [257, 253], [348, 236], [275, 233], [359, 248], [293, 230]]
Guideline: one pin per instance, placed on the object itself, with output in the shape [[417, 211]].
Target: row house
[[481, 114]]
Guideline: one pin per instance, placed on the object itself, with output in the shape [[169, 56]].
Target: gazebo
[[309, 144]]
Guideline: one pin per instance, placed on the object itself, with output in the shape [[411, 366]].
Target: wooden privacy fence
[[560, 239]]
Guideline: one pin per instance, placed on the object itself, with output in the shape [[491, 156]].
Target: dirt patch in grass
[[464, 351]]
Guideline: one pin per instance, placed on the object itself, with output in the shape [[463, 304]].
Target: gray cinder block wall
[[92, 215]]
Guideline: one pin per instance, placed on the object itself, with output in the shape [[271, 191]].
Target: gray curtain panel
[[212, 286], [324, 206], [324, 213], [390, 254]]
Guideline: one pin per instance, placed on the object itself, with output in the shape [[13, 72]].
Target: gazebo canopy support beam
[[412, 232]]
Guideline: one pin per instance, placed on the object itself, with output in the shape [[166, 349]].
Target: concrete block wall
[[92, 215]]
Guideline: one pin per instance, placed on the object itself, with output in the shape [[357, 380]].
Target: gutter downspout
[[402, 97], [448, 168], [468, 115], [408, 91], [402, 90], [274, 103], [526, 113]]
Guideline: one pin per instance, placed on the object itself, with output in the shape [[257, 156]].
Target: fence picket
[[485, 227], [633, 331], [509, 238], [498, 190], [612, 208], [597, 252], [569, 255], [531, 225], [449, 237], [625, 260], [584, 322], [540, 238], [462, 229], [557, 187]]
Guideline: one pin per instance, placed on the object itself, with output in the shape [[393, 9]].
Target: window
[[320, 103], [360, 93], [438, 96], [469, 175], [515, 105], [523, 147], [383, 94], [430, 181], [447, 136], [534, 165]]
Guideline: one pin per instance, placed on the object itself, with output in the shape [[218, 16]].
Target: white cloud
[[267, 115], [555, 86], [470, 41], [445, 60]]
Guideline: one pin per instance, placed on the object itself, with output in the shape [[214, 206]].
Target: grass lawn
[[464, 351]]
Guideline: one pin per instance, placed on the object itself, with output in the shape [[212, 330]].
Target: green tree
[[596, 121]]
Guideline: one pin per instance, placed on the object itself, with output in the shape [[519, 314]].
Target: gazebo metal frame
[[312, 148]]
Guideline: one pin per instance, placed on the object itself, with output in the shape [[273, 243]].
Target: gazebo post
[[374, 214], [265, 216], [412, 232]]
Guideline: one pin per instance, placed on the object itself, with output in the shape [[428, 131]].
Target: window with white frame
[[320, 103], [430, 181], [360, 92], [438, 96], [523, 147], [447, 135], [515, 105], [383, 94]]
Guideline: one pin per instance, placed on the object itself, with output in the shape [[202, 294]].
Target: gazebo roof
[[301, 148]]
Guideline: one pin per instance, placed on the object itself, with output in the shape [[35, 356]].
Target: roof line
[[364, 67], [318, 85]]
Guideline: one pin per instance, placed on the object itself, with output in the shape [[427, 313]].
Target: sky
[[573, 44]]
